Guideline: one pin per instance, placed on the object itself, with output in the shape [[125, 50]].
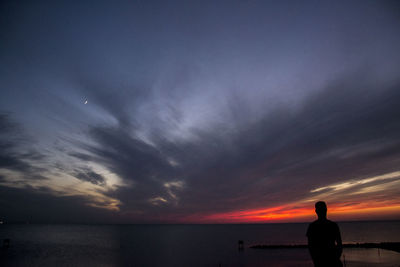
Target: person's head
[[321, 209]]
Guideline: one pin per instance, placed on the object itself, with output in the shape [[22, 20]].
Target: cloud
[[12, 138], [81, 156], [25, 169], [241, 116], [157, 200], [90, 176], [358, 183], [347, 129], [39, 205]]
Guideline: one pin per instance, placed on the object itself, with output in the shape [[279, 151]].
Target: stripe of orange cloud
[[292, 213], [354, 199]]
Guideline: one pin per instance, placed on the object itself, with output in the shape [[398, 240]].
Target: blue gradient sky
[[198, 109]]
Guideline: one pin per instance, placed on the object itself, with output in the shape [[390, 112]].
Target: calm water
[[183, 245]]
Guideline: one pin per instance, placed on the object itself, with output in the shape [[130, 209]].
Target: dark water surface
[[183, 245]]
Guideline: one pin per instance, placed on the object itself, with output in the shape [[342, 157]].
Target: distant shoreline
[[16, 222], [394, 246]]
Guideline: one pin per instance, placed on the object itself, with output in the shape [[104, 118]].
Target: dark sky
[[199, 111]]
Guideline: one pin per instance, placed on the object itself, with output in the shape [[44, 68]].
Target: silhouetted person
[[324, 241]]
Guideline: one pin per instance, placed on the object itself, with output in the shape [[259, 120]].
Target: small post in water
[[241, 245]]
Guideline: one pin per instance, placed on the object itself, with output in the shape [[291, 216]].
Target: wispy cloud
[[364, 183], [24, 168], [199, 115]]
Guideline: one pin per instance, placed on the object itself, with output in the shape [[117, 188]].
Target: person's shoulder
[[331, 222], [313, 223], [311, 227]]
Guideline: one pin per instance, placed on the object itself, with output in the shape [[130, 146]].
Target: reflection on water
[[370, 257], [182, 245]]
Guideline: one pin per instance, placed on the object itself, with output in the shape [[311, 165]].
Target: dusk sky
[[199, 111]]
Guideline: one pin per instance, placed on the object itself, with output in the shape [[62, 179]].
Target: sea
[[184, 244]]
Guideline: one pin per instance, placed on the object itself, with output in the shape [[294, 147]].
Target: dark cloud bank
[[12, 138], [348, 128]]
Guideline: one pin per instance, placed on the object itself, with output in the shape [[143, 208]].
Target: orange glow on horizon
[[305, 212]]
